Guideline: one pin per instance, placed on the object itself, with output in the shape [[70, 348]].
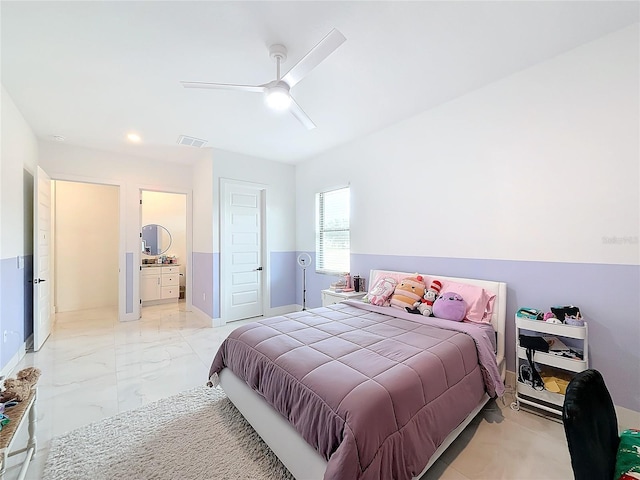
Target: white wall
[[132, 174], [542, 165], [533, 180], [202, 172], [18, 161], [86, 245], [19, 152], [280, 181]]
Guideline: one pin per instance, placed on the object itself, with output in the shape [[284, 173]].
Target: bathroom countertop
[[146, 265]]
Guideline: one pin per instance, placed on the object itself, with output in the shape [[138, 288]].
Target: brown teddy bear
[[18, 389]]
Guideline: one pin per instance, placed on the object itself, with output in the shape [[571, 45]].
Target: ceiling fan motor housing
[[278, 52]]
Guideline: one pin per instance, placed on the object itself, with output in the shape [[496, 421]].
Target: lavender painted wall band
[[283, 278], [28, 296], [606, 294], [204, 273], [129, 281], [316, 282], [12, 311]]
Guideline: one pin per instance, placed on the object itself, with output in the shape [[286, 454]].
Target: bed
[[358, 391]]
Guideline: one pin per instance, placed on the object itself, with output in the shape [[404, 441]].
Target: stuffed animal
[[409, 291], [550, 317], [426, 304], [18, 389], [450, 306], [381, 291]]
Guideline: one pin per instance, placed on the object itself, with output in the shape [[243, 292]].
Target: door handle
[[259, 269], [39, 280]]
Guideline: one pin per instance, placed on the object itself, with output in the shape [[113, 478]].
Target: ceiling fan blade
[[297, 112], [315, 56], [225, 86]]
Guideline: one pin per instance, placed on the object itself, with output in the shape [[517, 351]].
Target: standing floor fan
[[304, 260]]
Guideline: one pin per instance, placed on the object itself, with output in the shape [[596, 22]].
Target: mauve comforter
[[373, 393]]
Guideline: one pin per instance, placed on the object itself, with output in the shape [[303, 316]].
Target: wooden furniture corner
[[17, 415]]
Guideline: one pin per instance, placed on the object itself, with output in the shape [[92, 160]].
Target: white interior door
[[241, 252], [41, 259]]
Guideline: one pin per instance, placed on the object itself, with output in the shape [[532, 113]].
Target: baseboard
[[14, 361], [510, 379], [273, 312], [29, 343], [214, 322], [627, 418], [270, 312]]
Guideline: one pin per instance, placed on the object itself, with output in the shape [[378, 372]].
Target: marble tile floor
[[94, 366]]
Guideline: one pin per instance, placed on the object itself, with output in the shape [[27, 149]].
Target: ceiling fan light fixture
[[277, 94], [278, 97]]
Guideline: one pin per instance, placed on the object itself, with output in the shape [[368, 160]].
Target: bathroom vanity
[[159, 283]]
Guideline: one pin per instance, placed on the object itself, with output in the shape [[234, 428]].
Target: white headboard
[[498, 318]]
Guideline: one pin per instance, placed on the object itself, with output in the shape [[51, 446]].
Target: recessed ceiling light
[[59, 138], [134, 137]]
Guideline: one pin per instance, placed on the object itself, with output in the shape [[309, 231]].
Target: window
[[332, 231]]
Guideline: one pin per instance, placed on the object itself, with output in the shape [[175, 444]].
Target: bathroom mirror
[[156, 239]]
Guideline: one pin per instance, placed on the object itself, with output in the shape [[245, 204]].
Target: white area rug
[[198, 434]]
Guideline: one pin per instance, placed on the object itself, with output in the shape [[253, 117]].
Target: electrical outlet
[[204, 297]]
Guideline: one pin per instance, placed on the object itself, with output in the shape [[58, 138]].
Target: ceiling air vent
[[191, 141]]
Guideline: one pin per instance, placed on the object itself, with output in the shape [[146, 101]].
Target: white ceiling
[[93, 71]]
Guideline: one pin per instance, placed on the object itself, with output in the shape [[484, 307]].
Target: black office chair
[[591, 427]]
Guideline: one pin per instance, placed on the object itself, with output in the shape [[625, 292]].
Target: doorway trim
[[224, 259], [42, 237], [122, 237], [137, 307]]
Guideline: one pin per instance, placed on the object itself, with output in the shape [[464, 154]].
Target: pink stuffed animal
[[382, 291]]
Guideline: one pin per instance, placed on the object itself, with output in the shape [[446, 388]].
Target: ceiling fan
[[278, 91]]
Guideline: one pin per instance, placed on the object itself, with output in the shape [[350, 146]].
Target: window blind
[[332, 231]]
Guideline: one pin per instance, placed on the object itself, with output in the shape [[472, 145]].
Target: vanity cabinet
[[159, 284], [149, 284]]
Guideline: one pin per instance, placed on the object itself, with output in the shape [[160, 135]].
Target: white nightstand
[[329, 297]]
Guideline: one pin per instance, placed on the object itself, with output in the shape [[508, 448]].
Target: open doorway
[[163, 269], [86, 245]]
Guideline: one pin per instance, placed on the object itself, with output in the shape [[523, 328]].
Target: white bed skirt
[[294, 452]]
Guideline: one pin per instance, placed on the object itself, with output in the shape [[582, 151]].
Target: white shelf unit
[[329, 297], [544, 399]]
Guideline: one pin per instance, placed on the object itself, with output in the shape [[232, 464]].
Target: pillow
[[408, 292], [479, 301], [628, 455], [450, 306], [381, 290]]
